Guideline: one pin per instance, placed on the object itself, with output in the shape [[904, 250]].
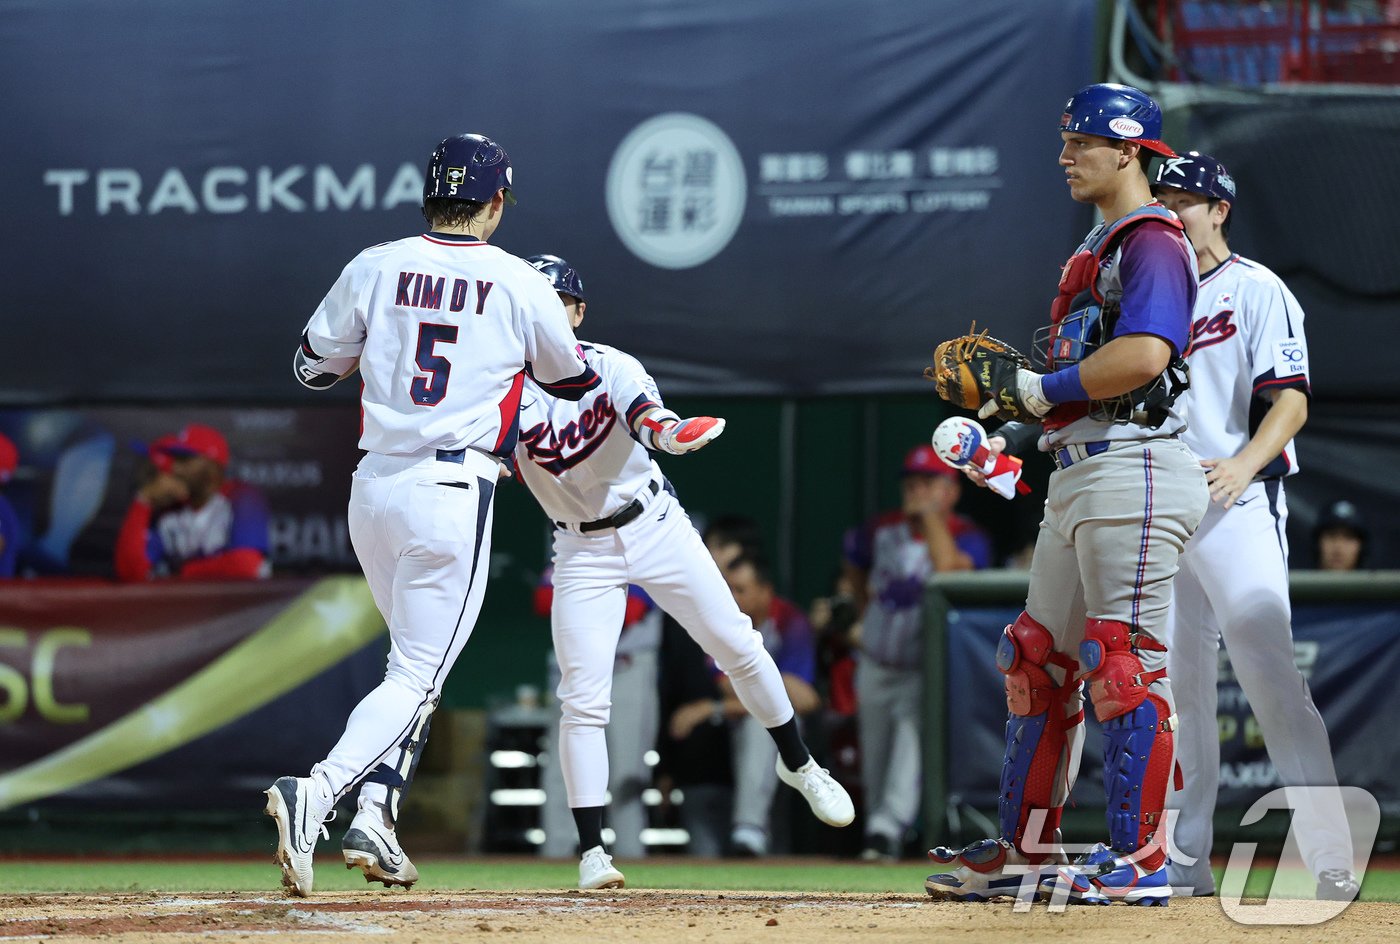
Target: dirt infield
[[672, 917]]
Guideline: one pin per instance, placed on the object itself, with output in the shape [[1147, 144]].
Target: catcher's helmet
[[468, 167], [1120, 112], [561, 275], [1197, 173]]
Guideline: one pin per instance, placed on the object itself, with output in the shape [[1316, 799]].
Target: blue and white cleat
[[1101, 876], [986, 869]]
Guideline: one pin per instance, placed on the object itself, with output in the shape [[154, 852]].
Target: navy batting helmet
[[1116, 111], [561, 275], [1197, 173], [468, 167]]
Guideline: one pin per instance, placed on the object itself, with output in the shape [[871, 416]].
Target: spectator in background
[[695, 745], [728, 536], [1340, 538], [788, 638], [188, 520], [889, 560], [9, 522], [630, 734]]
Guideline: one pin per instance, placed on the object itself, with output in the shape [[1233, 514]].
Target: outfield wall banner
[[177, 695], [1348, 654], [762, 196]]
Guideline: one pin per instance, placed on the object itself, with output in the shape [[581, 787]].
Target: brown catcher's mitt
[[970, 370]]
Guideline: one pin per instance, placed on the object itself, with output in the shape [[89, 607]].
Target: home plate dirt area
[[668, 917]]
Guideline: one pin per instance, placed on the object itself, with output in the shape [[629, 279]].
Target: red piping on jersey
[[510, 409], [1234, 257], [1294, 382], [453, 242]]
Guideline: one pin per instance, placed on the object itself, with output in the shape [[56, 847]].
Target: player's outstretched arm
[[662, 430]]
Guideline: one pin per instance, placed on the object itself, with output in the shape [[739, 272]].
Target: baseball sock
[[589, 820], [790, 744]]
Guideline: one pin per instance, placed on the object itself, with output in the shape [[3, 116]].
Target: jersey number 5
[[429, 391]]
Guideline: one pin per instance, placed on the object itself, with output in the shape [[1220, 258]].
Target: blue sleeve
[[797, 656], [155, 547], [637, 593], [1159, 285], [976, 545], [250, 520], [856, 546], [9, 538]]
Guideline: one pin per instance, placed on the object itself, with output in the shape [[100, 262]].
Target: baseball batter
[[617, 522], [1126, 496], [1248, 399], [445, 330]]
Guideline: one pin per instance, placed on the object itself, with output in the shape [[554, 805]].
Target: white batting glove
[[689, 435]]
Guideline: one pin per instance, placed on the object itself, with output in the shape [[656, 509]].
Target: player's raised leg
[[668, 560], [590, 599]]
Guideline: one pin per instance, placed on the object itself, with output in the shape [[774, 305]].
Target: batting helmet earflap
[[561, 275], [468, 167], [1197, 173], [1115, 111]]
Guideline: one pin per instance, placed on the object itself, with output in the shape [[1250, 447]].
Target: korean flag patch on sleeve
[[1290, 360]]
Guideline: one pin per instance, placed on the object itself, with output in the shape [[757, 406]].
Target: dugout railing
[[949, 818]]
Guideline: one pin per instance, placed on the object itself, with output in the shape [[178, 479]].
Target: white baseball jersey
[[1246, 340], [580, 459], [446, 328]]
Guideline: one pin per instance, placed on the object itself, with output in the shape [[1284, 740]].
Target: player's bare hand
[[165, 491], [690, 716], [1227, 478], [995, 445]]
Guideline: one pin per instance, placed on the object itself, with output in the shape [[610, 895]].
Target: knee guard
[[398, 773], [1117, 682], [1138, 743], [1036, 732]]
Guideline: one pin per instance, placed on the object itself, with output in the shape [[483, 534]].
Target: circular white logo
[[676, 190], [1127, 127]]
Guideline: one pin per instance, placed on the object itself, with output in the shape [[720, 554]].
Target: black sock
[[589, 820], [790, 744]]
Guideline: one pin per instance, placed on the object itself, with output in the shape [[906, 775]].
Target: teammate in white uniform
[[618, 522], [445, 329], [1248, 399]]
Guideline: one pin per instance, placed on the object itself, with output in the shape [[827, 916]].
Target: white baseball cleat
[[298, 809], [374, 849], [828, 799], [595, 870]]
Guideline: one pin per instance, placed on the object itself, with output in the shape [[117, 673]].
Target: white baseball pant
[[660, 552], [421, 528], [1234, 584]]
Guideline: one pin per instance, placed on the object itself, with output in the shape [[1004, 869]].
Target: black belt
[[625, 515], [451, 455]]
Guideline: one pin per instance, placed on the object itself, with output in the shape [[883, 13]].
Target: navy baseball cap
[[1195, 172]]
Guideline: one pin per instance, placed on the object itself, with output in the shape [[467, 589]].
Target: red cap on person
[[196, 440], [9, 458], [922, 460]]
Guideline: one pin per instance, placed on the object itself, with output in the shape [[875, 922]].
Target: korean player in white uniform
[[445, 330], [617, 522], [1248, 399]]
